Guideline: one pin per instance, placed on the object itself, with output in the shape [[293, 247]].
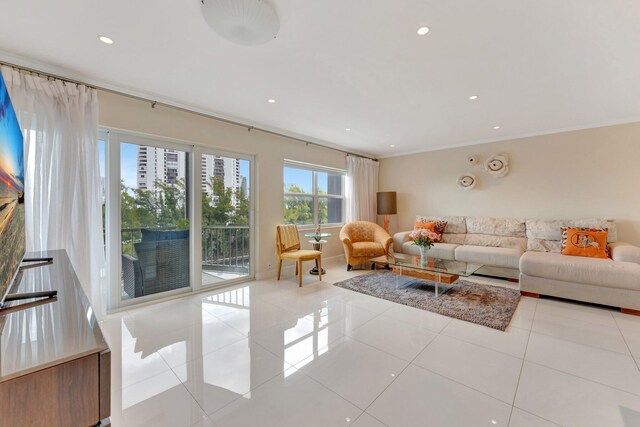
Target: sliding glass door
[[225, 191], [178, 218]]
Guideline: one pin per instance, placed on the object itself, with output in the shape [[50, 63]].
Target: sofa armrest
[[400, 239], [345, 239], [624, 252]]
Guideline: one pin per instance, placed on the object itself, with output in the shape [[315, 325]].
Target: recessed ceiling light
[[392, 146], [423, 30], [472, 97], [105, 39], [271, 101], [496, 127], [348, 129]]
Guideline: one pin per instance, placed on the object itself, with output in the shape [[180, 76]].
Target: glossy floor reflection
[[269, 353]]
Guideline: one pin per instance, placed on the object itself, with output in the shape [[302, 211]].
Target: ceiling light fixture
[[271, 101], [105, 39], [496, 127], [348, 129], [423, 30], [392, 146], [244, 22], [473, 97]]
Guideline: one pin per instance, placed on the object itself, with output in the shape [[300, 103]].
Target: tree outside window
[[313, 195]]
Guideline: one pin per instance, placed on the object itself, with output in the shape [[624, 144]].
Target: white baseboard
[[289, 267]]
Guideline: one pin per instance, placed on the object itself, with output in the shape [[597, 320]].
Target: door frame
[[113, 223]]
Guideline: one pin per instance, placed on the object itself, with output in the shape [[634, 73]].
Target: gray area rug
[[486, 305]]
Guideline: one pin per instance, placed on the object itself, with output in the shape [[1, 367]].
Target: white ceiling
[[537, 66]]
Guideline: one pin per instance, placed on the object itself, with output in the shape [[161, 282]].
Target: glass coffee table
[[441, 272]]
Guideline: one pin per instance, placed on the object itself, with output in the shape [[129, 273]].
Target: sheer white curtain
[[62, 177], [362, 186]]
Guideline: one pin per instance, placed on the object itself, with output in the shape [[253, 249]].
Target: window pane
[[155, 224], [329, 210], [298, 180], [298, 210], [225, 218], [329, 183]]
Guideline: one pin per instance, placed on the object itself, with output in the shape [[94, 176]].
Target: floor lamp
[[387, 206]]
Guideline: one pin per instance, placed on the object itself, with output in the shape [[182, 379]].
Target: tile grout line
[[582, 343], [398, 375], [626, 342], [537, 416], [524, 356], [483, 345], [583, 378], [253, 388]]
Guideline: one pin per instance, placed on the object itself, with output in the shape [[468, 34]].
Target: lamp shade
[[387, 203]]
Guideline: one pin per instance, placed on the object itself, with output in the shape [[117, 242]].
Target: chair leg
[[279, 268], [319, 261], [296, 268], [300, 275], [349, 267]]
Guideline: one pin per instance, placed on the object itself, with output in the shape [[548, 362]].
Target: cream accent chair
[[288, 248], [363, 240]]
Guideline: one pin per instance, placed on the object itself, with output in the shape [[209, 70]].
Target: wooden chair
[[288, 248]]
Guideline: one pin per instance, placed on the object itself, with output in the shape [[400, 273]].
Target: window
[[313, 194]]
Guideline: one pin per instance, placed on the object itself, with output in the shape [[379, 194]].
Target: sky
[[11, 142], [300, 177], [129, 163]]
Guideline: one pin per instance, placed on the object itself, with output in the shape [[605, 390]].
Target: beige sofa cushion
[[497, 257], [544, 235], [519, 243], [457, 239], [455, 224], [592, 271], [438, 250], [508, 227]]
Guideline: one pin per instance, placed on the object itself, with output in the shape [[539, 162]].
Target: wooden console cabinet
[[54, 360]]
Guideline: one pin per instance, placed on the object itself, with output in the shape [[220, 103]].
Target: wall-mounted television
[[12, 211]]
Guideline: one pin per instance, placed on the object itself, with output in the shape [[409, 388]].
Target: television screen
[[12, 234]]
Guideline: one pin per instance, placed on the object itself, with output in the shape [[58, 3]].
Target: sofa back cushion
[[508, 227], [544, 235], [496, 232]]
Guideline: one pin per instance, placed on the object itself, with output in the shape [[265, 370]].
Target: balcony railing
[[224, 248]]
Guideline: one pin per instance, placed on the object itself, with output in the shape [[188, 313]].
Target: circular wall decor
[[473, 160], [497, 165], [467, 181]]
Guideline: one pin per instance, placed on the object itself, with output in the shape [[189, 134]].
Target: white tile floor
[[280, 355]]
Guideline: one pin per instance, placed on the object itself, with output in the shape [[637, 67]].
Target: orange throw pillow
[[429, 225], [435, 226], [587, 242]]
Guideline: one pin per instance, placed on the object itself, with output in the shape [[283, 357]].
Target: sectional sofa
[[528, 250]]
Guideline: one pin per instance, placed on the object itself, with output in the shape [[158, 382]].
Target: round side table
[[317, 243]]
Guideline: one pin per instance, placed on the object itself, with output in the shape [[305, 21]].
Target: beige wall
[[269, 150], [579, 174]]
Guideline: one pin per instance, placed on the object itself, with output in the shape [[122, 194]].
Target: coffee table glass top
[[436, 265]]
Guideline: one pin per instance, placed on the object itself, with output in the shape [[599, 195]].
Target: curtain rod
[[182, 109]]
